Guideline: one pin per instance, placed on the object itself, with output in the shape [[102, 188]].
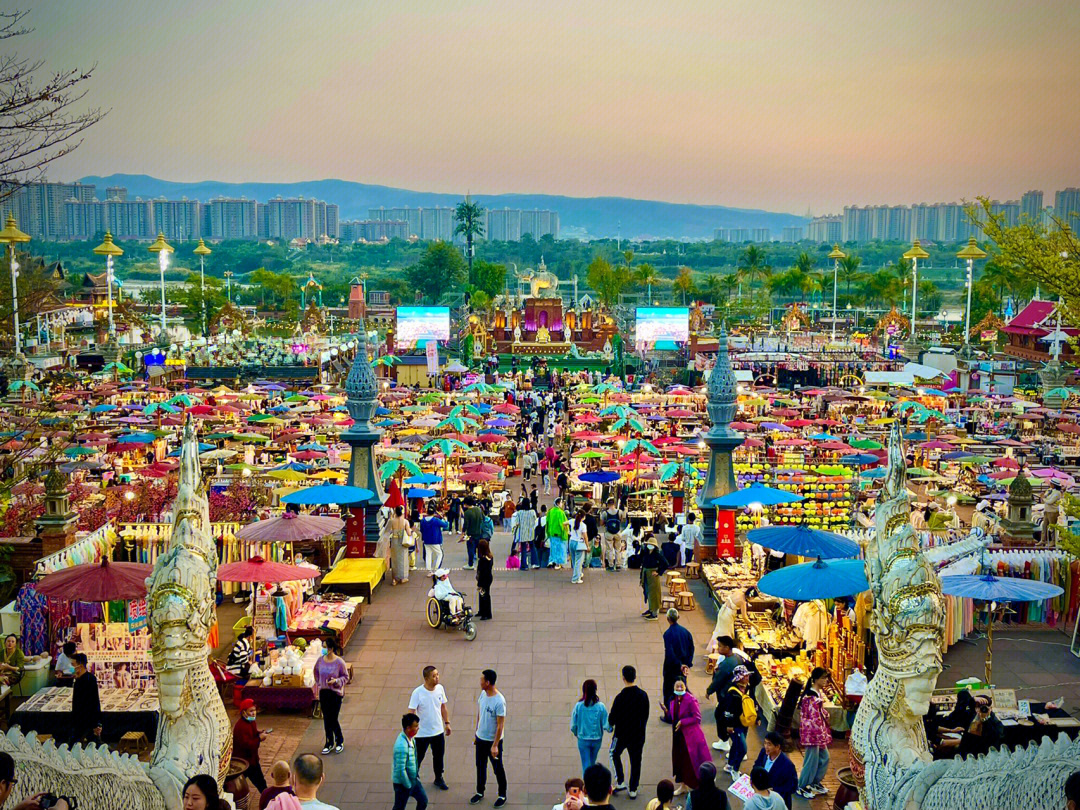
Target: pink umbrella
[[481, 466], [587, 435], [308, 455], [478, 477], [259, 570], [836, 445], [681, 413], [936, 445], [1009, 463], [94, 582], [490, 438], [743, 426], [288, 528], [506, 407]]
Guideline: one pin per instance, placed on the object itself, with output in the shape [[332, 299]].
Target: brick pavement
[[547, 636]]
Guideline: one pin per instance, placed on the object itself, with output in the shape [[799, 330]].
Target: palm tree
[[714, 288], [752, 264], [805, 263], [684, 282], [729, 283], [646, 275], [470, 223], [849, 269]]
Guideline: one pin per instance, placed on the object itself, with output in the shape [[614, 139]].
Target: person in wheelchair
[[444, 591]]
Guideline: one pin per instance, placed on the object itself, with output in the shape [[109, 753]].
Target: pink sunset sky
[[775, 105]]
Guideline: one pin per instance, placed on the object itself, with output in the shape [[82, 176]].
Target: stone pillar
[[361, 389], [56, 527], [721, 440]]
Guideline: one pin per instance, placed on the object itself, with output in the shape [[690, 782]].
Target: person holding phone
[[246, 741], [331, 675]]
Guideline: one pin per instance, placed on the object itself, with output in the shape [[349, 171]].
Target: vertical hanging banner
[[432, 347]]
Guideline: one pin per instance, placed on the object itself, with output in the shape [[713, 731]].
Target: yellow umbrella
[[281, 492], [327, 474], [885, 420], [287, 475]]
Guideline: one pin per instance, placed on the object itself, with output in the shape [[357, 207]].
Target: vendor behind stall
[[65, 667], [12, 662], [239, 661]]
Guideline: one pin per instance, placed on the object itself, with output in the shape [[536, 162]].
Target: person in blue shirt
[[783, 778], [587, 723], [405, 778], [432, 526], [678, 657]]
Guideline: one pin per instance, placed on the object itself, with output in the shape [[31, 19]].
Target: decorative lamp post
[[228, 285], [914, 254], [836, 255], [12, 236], [202, 251], [110, 251], [969, 254], [162, 249]]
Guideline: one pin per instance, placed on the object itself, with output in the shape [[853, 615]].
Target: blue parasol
[[420, 492], [859, 459], [600, 477], [756, 493], [876, 472], [916, 436], [804, 541], [822, 579], [328, 494], [988, 588], [956, 455], [424, 478]]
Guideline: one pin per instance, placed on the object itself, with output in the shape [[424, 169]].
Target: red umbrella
[[201, 410], [587, 435], [393, 495], [490, 438], [681, 413], [259, 570], [506, 407], [97, 582], [290, 527], [309, 455]]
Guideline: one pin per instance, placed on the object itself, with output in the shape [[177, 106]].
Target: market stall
[[122, 711]]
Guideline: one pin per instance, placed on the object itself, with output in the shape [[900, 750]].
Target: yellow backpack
[[748, 715]]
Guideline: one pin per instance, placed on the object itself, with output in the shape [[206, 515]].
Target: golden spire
[[108, 247], [916, 252], [202, 249], [972, 251], [837, 253], [11, 234], [161, 245]]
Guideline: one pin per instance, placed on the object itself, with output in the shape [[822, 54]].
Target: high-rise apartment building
[[761, 235], [374, 230], [39, 207], [177, 219], [128, 219], [1067, 207], [504, 225], [501, 224], [115, 193], [791, 234], [828, 229], [1031, 206], [230, 219]]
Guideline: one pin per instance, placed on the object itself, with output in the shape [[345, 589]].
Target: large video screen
[[416, 324], [661, 324]]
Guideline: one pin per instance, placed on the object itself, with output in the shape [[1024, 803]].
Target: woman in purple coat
[[688, 747]]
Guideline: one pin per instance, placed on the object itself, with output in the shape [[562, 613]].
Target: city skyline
[[777, 107]]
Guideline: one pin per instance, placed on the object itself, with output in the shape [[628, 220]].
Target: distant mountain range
[[579, 216]]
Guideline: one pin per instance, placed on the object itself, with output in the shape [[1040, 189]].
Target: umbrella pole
[[990, 645]]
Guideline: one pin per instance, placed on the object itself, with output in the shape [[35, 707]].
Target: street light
[[12, 236], [109, 250], [202, 251], [228, 285], [914, 255], [162, 249], [836, 255], [969, 254]]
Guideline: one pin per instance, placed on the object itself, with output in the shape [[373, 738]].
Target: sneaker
[[499, 801], [476, 798], [617, 788], [680, 790], [645, 613], [326, 750], [734, 774], [339, 748], [820, 789], [805, 793], [632, 794], [721, 745], [652, 617], [440, 783]]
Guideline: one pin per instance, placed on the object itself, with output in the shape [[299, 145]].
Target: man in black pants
[[678, 657], [721, 681], [490, 725], [85, 703], [627, 720], [429, 702]]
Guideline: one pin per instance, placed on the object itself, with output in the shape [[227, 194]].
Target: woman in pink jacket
[[814, 734], [688, 746]]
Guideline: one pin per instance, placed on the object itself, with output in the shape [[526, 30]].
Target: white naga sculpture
[[194, 735], [889, 753]]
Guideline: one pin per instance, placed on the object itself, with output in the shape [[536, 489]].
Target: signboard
[[432, 350], [118, 658], [264, 619], [654, 324], [136, 615], [988, 335], [742, 788]]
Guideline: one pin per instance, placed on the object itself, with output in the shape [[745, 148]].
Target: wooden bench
[[133, 742], [666, 602]]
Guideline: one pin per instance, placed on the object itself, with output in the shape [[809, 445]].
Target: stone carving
[[889, 752], [194, 735]]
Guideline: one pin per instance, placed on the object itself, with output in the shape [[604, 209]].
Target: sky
[[786, 106]]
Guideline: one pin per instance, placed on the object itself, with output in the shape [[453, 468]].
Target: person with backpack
[[739, 714], [612, 520], [472, 528], [814, 735]]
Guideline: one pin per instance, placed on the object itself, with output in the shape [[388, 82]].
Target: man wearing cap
[[678, 656], [246, 741]]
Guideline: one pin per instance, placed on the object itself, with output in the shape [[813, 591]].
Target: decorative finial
[[361, 386], [722, 390]]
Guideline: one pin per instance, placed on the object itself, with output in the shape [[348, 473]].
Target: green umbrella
[[418, 408], [976, 460], [120, 368], [259, 417], [153, 407], [296, 398], [478, 388], [397, 453], [430, 399], [393, 467], [181, 399], [866, 444], [445, 446], [920, 472], [673, 468], [250, 437], [17, 384], [458, 423], [73, 452], [216, 437]]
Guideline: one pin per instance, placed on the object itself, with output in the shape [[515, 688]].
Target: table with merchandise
[[327, 617], [122, 710]]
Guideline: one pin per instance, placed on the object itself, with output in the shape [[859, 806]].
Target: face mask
[[250, 719], [679, 693]]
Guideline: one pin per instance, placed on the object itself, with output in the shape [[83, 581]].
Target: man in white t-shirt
[[429, 702]]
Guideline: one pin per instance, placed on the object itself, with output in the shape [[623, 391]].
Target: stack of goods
[[293, 666], [777, 673], [724, 576], [827, 491], [321, 613], [844, 650], [759, 634]]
